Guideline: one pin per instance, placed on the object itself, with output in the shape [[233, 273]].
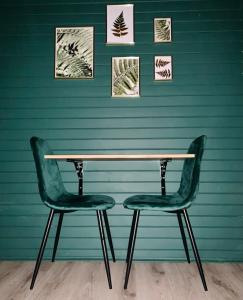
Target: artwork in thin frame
[[120, 26], [162, 30], [74, 53], [162, 68], [125, 77]]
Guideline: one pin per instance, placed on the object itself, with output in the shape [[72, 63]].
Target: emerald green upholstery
[[188, 189], [60, 201], [176, 203], [51, 187]]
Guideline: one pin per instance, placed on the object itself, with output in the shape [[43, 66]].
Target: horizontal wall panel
[[119, 112], [119, 243], [210, 165], [47, 33], [189, 52], [80, 116], [77, 102], [157, 255], [107, 139], [146, 221], [145, 232], [194, 79], [98, 7], [104, 66], [129, 176]]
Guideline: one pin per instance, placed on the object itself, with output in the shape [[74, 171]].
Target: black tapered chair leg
[[42, 247], [108, 231], [59, 226], [130, 237], [183, 235], [133, 240], [104, 248], [194, 247]]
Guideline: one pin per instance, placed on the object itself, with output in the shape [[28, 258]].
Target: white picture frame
[[120, 24], [163, 68], [162, 30], [74, 53], [125, 77]]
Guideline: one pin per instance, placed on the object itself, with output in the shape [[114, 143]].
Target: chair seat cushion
[[168, 203], [87, 202]]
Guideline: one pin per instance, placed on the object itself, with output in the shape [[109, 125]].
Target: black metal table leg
[[59, 226], [163, 165], [79, 170], [107, 226], [104, 248], [183, 235], [133, 240], [42, 247], [194, 247]]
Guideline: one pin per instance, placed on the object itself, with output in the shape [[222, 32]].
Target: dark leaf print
[[119, 25], [161, 63], [165, 73], [71, 49]]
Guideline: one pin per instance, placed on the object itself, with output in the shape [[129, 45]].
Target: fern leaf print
[[125, 76], [161, 63], [120, 27], [74, 53], [162, 30], [162, 67]]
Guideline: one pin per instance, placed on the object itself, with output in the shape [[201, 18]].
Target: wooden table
[[78, 160]]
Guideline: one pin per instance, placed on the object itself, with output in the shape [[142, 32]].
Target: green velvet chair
[[177, 203], [54, 195]]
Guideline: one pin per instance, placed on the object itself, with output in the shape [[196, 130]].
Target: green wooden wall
[[78, 116]]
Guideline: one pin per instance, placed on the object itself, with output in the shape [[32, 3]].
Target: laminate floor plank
[[148, 281]]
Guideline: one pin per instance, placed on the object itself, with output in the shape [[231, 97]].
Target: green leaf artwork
[[119, 26], [162, 30], [74, 53], [125, 76]]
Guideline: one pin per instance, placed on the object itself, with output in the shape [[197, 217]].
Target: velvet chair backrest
[[49, 178], [191, 170]]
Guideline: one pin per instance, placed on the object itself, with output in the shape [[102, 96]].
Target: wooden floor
[[148, 281]]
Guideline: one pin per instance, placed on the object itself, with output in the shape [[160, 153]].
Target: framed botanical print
[[120, 24], [162, 30], [74, 53], [125, 77], [162, 68]]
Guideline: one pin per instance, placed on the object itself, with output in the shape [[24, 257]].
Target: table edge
[[96, 157]]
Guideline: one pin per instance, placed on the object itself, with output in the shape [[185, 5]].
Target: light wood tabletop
[[96, 157]]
